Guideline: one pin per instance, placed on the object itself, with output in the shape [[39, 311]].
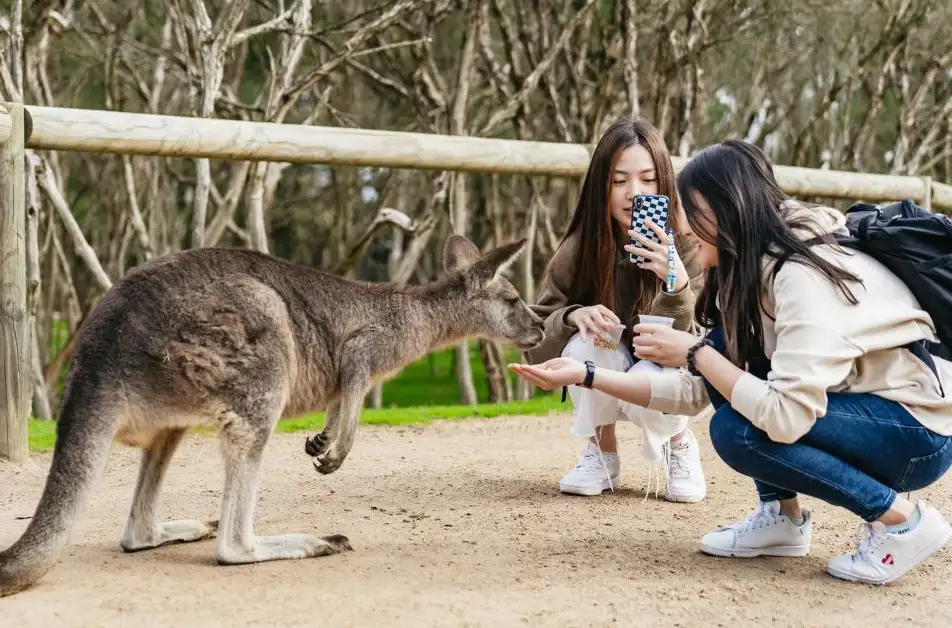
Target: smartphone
[[643, 207]]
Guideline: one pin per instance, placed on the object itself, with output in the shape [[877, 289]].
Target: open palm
[[552, 374]]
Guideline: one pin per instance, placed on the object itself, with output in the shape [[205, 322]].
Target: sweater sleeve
[[676, 391], [553, 306], [680, 305], [811, 357]]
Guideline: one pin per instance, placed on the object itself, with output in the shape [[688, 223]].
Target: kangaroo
[[238, 339]]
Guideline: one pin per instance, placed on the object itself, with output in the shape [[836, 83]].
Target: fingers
[[658, 231], [646, 353], [607, 313], [596, 320], [644, 337], [649, 243], [603, 323], [582, 323], [532, 375], [653, 257], [557, 363], [541, 377]]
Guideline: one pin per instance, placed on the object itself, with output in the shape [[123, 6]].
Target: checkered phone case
[[644, 206]]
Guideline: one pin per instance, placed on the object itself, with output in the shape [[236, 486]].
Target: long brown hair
[[737, 181], [600, 237]]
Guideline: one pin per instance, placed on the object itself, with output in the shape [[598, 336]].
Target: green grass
[[425, 414], [424, 391], [43, 433], [430, 380]]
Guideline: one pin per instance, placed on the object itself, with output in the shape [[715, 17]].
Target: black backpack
[[916, 245]]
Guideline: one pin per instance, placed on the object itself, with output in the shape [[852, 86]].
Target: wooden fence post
[[15, 341]]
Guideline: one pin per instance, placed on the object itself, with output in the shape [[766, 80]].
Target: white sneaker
[[765, 532], [593, 474], [686, 481], [885, 556]]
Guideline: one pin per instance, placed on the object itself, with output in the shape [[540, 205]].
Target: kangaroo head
[[494, 307]]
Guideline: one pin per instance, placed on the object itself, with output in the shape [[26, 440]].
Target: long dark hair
[[600, 237], [737, 181]]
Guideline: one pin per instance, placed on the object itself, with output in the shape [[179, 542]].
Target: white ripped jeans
[[594, 408]]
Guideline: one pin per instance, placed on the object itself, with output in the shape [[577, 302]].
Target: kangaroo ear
[[498, 260], [459, 253]]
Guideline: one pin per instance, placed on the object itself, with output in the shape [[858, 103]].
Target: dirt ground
[[453, 524]]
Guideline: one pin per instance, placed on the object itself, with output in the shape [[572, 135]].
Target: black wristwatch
[[589, 374], [587, 382], [692, 369]]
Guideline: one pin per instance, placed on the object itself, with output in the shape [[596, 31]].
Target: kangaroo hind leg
[[243, 443], [143, 528]]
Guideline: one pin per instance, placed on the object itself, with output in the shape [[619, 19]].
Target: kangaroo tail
[[84, 433]]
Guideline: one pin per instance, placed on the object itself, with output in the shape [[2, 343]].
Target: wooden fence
[[97, 131]]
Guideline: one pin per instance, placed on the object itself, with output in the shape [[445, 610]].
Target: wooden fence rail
[[100, 131]]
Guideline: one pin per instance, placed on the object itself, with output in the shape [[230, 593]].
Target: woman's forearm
[[631, 387], [720, 372], [635, 387]]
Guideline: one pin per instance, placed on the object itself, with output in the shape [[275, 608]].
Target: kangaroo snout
[[533, 338]]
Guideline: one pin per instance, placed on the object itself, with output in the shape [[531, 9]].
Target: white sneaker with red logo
[[884, 556]]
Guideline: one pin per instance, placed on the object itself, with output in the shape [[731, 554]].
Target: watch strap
[[589, 374]]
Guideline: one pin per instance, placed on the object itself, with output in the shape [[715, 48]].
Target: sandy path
[[455, 523]]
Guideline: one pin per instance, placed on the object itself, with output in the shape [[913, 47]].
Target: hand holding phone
[[644, 207], [651, 246]]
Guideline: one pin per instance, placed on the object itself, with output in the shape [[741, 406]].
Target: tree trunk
[[460, 204], [495, 372], [41, 399]]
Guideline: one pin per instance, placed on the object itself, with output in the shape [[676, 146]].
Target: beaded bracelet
[[672, 279]]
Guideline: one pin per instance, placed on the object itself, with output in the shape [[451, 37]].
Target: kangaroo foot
[[282, 547], [183, 531]]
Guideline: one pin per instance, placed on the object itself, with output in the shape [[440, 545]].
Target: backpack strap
[[924, 350]]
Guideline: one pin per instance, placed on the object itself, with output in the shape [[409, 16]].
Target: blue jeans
[[859, 456]]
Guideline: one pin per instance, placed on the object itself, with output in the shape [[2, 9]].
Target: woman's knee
[[729, 433]]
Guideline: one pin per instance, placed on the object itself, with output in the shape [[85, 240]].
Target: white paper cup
[[647, 319]]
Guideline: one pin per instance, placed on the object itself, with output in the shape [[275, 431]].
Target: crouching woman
[[807, 366]]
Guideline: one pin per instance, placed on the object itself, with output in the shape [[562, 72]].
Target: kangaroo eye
[[513, 301]]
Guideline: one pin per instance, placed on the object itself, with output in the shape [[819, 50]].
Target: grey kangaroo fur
[[238, 339]]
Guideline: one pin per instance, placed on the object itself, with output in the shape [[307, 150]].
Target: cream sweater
[[818, 342]]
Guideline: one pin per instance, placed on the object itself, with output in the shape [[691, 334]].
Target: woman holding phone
[[809, 367], [592, 291]]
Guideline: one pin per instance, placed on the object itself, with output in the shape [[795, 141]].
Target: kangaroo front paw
[[327, 457], [316, 445]]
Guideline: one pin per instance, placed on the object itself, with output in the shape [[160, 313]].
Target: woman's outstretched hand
[[662, 345], [552, 374]]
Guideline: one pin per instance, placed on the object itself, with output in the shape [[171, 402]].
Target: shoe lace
[[659, 471], [593, 461], [757, 519], [675, 462], [871, 541], [678, 461]]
